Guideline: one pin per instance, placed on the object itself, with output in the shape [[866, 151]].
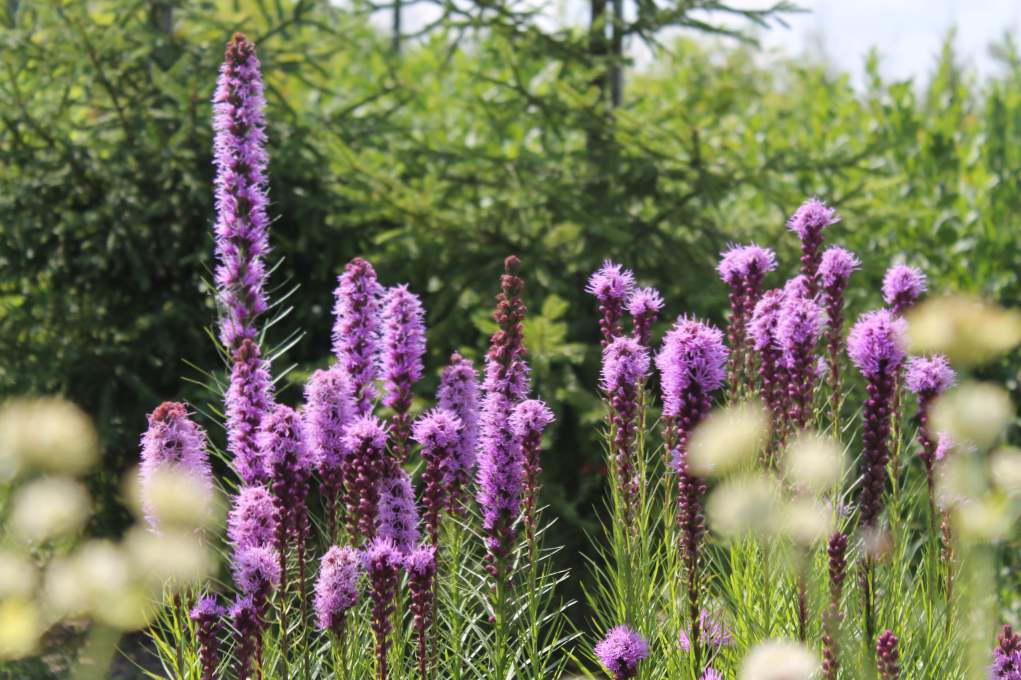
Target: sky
[[909, 33]]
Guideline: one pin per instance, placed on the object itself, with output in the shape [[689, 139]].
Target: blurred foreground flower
[[814, 462], [49, 434], [973, 413], [47, 508], [779, 660], [746, 504], [967, 330], [728, 438]]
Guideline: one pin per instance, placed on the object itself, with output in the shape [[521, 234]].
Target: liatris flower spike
[[172, 442], [365, 442], [762, 328], [242, 240], [808, 222], [459, 394], [527, 422], [798, 329], [712, 633], [625, 369], [1007, 656], [439, 433], [249, 398], [887, 657], [612, 286], [252, 520], [336, 589], [329, 407], [837, 553], [356, 330], [397, 516], [403, 348], [927, 378], [621, 651], [835, 269], [421, 568], [244, 617], [257, 573], [902, 286], [285, 451], [644, 306], [743, 268], [382, 561], [207, 615]]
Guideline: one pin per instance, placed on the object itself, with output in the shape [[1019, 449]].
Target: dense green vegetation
[[485, 136]]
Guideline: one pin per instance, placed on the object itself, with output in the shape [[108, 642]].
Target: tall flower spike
[[421, 568], [252, 520], [876, 347], [336, 589], [644, 306], [1006, 656], [625, 369], [239, 154], [837, 551], [289, 460], [808, 222], [172, 442], [329, 407], [397, 516], [257, 572], [902, 286], [762, 329], [887, 657], [382, 561], [798, 329], [500, 473], [439, 433], [927, 378], [835, 269], [743, 269], [245, 621], [356, 330], [403, 348], [207, 615], [249, 398], [459, 394], [611, 285], [621, 651], [365, 441], [527, 422]]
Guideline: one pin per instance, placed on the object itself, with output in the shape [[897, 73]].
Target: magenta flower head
[[356, 330], [798, 329], [403, 348], [244, 616], [527, 422], [711, 674], [336, 589], [692, 361], [621, 651], [383, 562], [929, 376], [712, 633], [944, 445], [644, 306], [625, 369], [365, 442], [876, 343], [289, 460], [887, 656], [762, 329], [808, 222], [902, 286], [1006, 656], [252, 520], [329, 407], [239, 154], [172, 442], [257, 572], [249, 397], [743, 268], [836, 266], [611, 285], [439, 433], [834, 271], [459, 394], [397, 516], [207, 615], [421, 568]]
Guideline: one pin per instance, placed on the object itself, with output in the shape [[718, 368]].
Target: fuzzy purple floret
[[365, 441], [808, 222], [421, 568], [930, 376], [712, 633], [902, 286], [459, 394], [289, 460], [743, 269], [239, 154], [172, 442], [356, 330], [798, 329], [382, 562], [329, 407], [836, 266], [624, 371], [403, 346], [207, 615], [741, 265], [711, 674], [1006, 656], [252, 520], [611, 285], [256, 571], [621, 651], [244, 616], [644, 306], [397, 514], [527, 422], [249, 398], [336, 589], [439, 433], [693, 356], [876, 343]]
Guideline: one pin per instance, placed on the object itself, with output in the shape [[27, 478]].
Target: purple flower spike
[[403, 348], [244, 617], [172, 442], [798, 329], [644, 306], [808, 223], [459, 394], [625, 369], [421, 568], [365, 442], [621, 651], [1006, 656], [711, 632], [834, 271], [527, 422], [902, 286], [887, 657], [336, 588], [249, 397], [397, 516], [836, 266], [252, 520], [257, 573], [239, 154], [711, 674], [383, 562], [762, 329], [289, 460], [356, 330], [876, 346], [928, 378], [207, 615], [439, 433], [329, 407], [836, 549], [611, 285], [743, 268]]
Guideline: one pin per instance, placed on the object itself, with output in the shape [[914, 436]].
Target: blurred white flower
[[779, 660], [974, 412], [728, 438], [17, 575], [966, 330], [814, 462], [48, 507], [49, 434], [746, 504]]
